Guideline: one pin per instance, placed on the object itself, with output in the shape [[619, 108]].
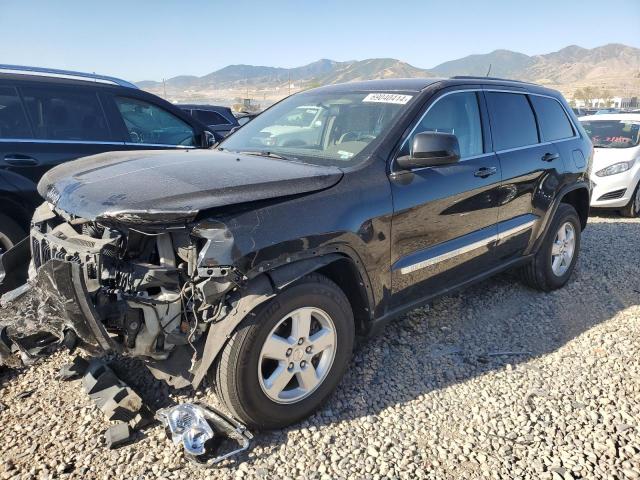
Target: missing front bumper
[[55, 301]]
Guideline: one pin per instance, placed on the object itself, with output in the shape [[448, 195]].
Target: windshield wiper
[[263, 153]]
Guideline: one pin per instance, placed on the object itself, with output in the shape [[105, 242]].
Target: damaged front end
[[142, 290]]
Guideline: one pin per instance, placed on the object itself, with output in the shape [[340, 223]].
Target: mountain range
[[614, 66]]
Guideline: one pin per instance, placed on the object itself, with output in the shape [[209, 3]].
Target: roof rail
[[52, 72], [474, 77]]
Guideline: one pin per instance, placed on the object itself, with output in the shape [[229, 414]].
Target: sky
[[151, 40]]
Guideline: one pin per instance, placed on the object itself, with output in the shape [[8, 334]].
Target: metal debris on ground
[[205, 433]]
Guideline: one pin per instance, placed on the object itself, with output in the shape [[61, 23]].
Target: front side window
[[13, 120], [150, 124], [323, 128], [554, 124], [613, 133], [65, 114], [458, 114], [512, 122]]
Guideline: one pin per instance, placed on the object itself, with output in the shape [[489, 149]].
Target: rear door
[[556, 128], [444, 222], [43, 125], [531, 169]]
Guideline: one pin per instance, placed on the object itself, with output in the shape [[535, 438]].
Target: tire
[[243, 370], [541, 273], [10, 233], [632, 209]]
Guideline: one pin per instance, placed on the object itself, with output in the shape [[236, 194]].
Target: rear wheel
[[288, 356], [633, 207], [554, 262], [10, 233]]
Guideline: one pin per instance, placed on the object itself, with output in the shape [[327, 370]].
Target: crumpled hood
[[173, 186]]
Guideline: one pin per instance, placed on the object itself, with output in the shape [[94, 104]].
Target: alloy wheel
[[297, 355], [563, 249]]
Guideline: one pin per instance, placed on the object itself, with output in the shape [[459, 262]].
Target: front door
[[444, 222]]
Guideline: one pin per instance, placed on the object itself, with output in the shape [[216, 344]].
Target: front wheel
[[288, 356], [554, 262], [632, 209], [10, 233]]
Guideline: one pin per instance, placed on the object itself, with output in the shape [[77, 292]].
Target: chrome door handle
[[550, 157], [485, 172], [20, 160]]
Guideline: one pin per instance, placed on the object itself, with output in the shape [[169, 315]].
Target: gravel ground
[[498, 381]]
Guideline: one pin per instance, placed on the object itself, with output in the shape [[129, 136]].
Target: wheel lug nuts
[[289, 351], [291, 366], [300, 341], [303, 364], [308, 349]]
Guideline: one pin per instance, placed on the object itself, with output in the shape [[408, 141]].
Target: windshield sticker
[[387, 98], [344, 155]]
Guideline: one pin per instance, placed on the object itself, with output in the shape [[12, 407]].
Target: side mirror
[[208, 139], [430, 149]]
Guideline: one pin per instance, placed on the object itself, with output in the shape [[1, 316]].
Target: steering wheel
[[135, 136], [349, 137]]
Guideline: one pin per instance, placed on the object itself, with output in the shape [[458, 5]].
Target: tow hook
[[206, 434]]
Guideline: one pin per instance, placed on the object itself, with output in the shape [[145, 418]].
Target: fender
[[546, 220], [257, 291]]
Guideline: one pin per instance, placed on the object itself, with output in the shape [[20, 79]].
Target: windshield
[[300, 117], [613, 133], [322, 128]]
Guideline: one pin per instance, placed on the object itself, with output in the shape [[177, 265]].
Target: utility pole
[[289, 79], [164, 86]]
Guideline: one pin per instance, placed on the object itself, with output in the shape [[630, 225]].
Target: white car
[[301, 127], [616, 162]]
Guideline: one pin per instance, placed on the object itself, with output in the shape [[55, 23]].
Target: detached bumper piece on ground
[[208, 435], [205, 433]]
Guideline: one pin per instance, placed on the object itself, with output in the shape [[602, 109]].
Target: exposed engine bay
[[148, 293]]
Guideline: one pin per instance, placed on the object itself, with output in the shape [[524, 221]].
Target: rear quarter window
[[513, 124], [553, 121], [209, 117]]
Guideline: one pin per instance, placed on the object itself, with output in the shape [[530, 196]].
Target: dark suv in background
[[48, 117], [257, 263], [220, 120]]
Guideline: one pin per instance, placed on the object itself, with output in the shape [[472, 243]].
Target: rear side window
[[150, 124], [554, 124], [65, 114], [13, 119], [512, 122], [210, 118]]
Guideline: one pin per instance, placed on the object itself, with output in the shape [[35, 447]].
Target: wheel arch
[[579, 199], [15, 209], [344, 270], [338, 267]]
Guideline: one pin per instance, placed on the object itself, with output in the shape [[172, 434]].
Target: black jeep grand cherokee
[[332, 212]]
